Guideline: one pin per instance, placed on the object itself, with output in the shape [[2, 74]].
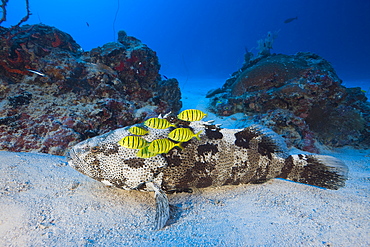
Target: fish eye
[[95, 149]]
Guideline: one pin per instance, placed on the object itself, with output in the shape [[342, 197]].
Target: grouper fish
[[221, 156]]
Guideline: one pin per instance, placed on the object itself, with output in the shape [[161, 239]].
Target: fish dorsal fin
[[167, 114]]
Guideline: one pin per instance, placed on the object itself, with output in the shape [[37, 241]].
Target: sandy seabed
[[44, 202]]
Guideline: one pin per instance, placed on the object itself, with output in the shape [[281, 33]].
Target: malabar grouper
[[219, 157]]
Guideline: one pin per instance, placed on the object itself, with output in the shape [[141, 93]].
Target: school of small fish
[[163, 145]]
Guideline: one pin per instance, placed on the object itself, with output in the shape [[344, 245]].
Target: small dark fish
[[36, 72], [290, 19], [87, 24], [165, 77]]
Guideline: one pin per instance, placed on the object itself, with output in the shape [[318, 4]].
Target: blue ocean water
[[207, 38]]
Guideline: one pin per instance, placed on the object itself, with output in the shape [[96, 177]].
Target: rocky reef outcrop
[[53, 95], [300, 97]]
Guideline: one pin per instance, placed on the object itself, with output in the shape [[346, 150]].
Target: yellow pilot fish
[[133, 142], [158, 123], [161, 146], [138, 131], [144, 153], [191, 115], [183, 134]]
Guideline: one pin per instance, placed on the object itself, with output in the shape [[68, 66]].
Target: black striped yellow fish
[[158, 123], [183, 135], [161, 146], [191, 115], [144, 153], [138, 131], [133, 142]]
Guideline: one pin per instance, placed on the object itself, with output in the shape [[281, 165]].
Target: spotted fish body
[[221, 157]]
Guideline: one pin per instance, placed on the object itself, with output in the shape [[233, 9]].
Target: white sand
[[44, 202]]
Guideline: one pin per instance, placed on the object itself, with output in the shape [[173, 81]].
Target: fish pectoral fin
[[162, 213]]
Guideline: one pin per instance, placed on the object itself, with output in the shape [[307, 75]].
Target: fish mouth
[[73, 159]]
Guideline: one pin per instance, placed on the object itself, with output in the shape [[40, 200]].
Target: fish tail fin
[[197, 135], [179, 145], [318, 170]]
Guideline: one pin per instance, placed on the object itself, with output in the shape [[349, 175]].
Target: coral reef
[[53, 95], [300, 97]]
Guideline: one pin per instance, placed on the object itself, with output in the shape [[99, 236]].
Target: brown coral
[[81, 95], [272, 71], [299, 96]]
